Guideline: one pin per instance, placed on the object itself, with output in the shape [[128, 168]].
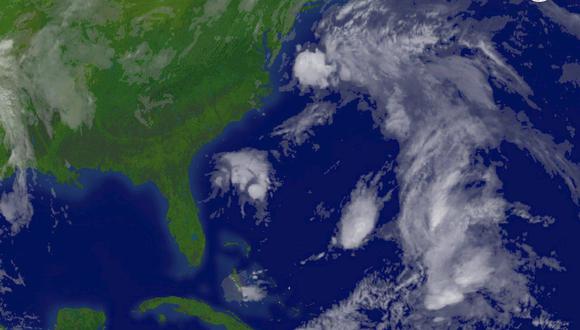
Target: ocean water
[[107, 252], [290, 235], [106, 245], [112, 250], [524, 179]]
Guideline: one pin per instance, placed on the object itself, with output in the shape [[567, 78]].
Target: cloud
[[249, 173], [252, 293], [248, 286], [359, 216], [569, 22], [440, 108], [55, 85], [247, 5], [372, 293], [311, 69], [523, 211], [143, 65], [13, 117], [15, 206], [215, 7], [571, 74], [298, 129]]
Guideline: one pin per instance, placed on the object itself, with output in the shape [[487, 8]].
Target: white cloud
[[568, 21], [359, 216], [247, 5], [252, 293], [56, 86], [249, 172], [311, 69], [214, 8], [12, 115], [142, 65], [296, 130], [248, 286], [440, 108], [15, 206], [372, 293], [523, 211]]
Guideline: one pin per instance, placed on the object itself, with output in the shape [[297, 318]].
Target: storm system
[[431, 71]]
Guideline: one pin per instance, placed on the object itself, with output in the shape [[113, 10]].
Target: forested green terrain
[[195, 309], [80, 319], [132, 86]]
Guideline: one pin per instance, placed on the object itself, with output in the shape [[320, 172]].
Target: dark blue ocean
[[113, 249]]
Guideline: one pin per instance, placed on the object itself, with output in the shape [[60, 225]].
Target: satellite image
[[289, 164]]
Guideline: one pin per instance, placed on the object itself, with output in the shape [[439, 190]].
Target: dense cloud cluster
[[360, 215], [432, 75], [311, 69], [15, 206], [249, 173], [47, 77]]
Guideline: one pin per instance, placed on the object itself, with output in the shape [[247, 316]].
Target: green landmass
[[161, 318], [138, 87], [195, 309], [243, 245], [79, 319], [235, 277], [5, 171]]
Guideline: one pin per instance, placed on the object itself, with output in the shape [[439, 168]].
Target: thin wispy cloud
[[298, 129], [45, 76], [440, 107]]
